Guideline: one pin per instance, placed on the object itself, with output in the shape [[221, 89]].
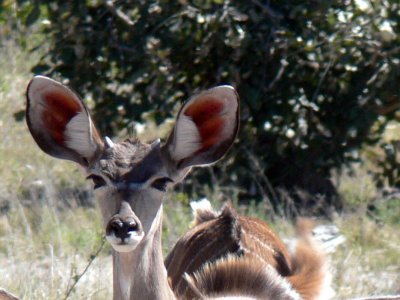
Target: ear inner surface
[[206, 114], [59, 121], [79, 133], [56, 112], [205, 128]]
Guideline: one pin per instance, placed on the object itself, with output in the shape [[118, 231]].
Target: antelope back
[[221, 235], [130, 178], [226, 254], [234, 277]]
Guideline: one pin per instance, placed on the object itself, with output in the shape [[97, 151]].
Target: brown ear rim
[[54, 149]]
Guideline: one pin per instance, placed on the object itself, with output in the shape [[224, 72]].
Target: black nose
[[122, 229]]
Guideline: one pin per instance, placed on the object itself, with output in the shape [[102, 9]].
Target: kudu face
[[130, 178], [130, 181]]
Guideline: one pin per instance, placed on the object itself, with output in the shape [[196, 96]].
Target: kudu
[[223, 255], [5, 295]]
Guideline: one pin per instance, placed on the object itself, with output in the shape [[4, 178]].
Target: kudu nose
[[122, 228]]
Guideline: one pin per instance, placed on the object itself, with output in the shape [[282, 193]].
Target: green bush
[[313, 76]]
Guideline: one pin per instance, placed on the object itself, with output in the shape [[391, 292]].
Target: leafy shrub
[[389, 165], [313, 76]]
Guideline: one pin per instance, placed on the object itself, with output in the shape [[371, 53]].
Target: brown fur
[[203, 215], [240, 276], [4, 295], [201, 244], [252, 248], [309, 264]]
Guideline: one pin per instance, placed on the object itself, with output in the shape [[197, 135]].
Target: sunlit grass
[[47, 237], [368, 263], [43, 250]]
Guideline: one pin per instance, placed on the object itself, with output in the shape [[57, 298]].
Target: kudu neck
[[141, 274]]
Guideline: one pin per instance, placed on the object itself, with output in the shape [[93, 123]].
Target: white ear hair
[[108, 142], [78, 133], [205, 128], [187, 138], [156, 143], [59, 121]]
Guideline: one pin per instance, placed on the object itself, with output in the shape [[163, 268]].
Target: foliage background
[[317, 79], [49, 225]]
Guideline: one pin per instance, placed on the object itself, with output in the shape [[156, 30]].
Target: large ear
[[60, 123], [205, 128]]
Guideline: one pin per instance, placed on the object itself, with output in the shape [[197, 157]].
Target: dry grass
[[43, 243], [45, 265], [368, 263], [47, 238]]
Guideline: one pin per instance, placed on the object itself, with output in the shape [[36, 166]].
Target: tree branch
[[118, 13], [78, 277]]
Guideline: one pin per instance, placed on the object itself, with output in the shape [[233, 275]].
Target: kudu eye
[[161, 183], [97, 180]]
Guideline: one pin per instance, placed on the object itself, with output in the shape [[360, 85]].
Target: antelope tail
[[310, 277]]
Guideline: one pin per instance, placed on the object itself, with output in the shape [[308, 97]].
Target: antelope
[[5, 295], [223, 255]]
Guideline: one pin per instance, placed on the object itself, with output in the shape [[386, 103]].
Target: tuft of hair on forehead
[[127, 153]]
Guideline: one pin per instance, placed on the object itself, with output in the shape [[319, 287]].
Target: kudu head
[[130, 178]]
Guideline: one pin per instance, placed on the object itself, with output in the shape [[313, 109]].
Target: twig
[[279, 74], [119, 13], [273, 15], [382, 69], [322, 78], [78, 277], [260, 173]]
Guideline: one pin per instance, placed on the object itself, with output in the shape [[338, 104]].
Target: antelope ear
[[60, 123], [205, 128]]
